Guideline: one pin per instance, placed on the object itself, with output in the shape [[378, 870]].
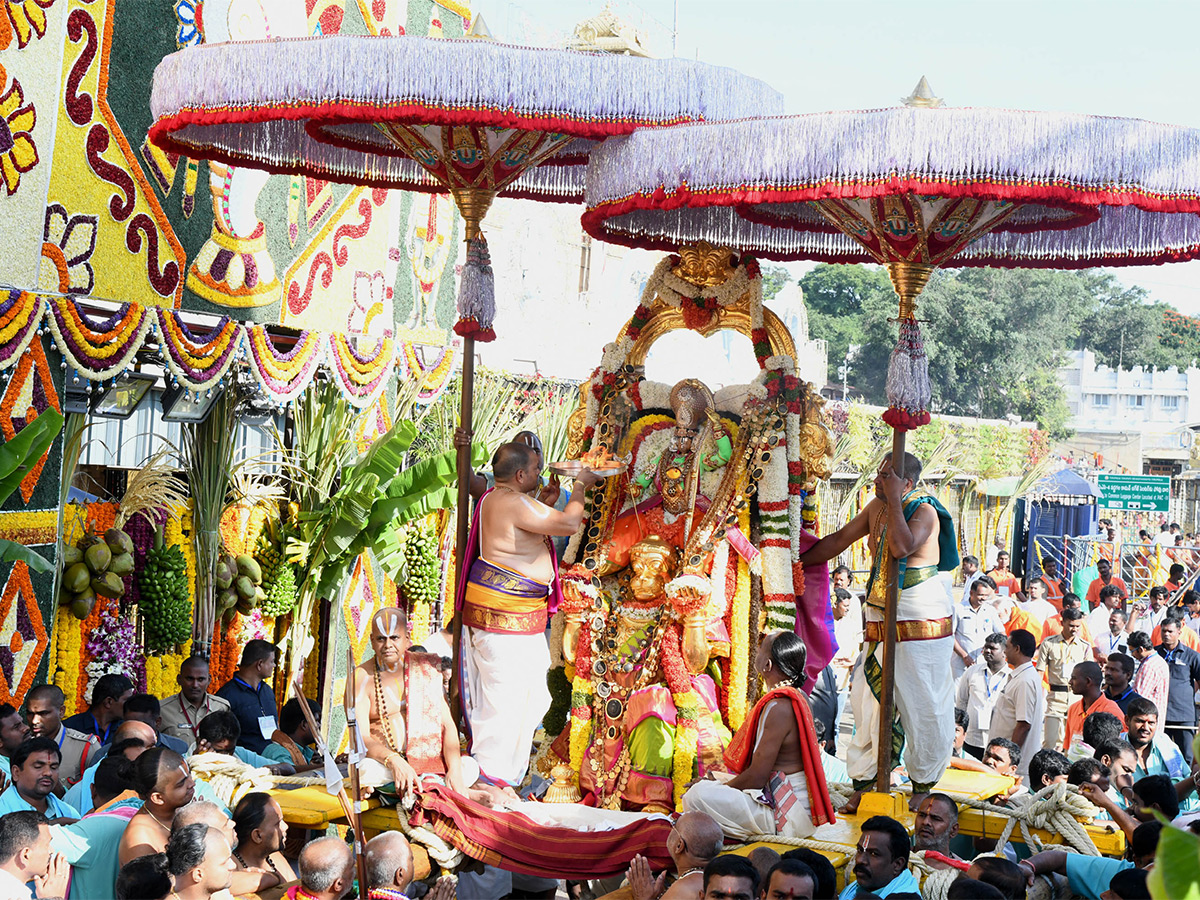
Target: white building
[[1139, 420]]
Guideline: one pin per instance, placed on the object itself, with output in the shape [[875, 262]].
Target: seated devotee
[[881, 860], [164, 783], [822, 868], [250, 697], [776, 737], [326, 868], [730, 878], [144, 878], [146, 708], [405, 720], [200, 862], [220, 732], [25, 857], [182, 712], [261, 832], [1091, 876], [290, 742], [1149, 795], [935, 826], [90, 845], [106, 709], [13, 733], [1086, 683], [694, 842], [45, 706], [389, 865], [789, 879], [34, 781], [1002, 874], [1046, 768], [130, 739]]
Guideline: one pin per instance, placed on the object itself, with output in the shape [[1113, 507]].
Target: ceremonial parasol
[[911, 188], [475, 117]]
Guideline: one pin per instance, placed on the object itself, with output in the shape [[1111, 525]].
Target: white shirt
[[978, 691], [1150, 619], [848, 631], [1108, 643], [1041, 610], [11, 888], [1097, 620], [971, 627], [1023, 699], [966, 597], [1165, 539]]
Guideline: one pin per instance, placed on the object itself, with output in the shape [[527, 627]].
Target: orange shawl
[[738, 753], [423, 723]]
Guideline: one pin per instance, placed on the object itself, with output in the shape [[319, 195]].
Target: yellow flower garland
[[686, 738], [581, 728], [68, 651], [739, 651]]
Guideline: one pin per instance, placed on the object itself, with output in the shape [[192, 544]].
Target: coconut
[[81, 607], [108, 585], [244, 587], [118, 541], [71, 556], [122, 564], [249, 567], [77, 578], [97, 557]]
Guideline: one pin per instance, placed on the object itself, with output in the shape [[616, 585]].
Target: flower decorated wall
[[89, 211]]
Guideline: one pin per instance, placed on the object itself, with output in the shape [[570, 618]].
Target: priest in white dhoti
[[510, 589], [905, 523]]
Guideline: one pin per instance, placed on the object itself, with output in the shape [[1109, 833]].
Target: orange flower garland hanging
[[97, 349], [361, 376], [198, 362]]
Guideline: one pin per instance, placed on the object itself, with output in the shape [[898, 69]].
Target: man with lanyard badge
[[251, 698], [181, 713]]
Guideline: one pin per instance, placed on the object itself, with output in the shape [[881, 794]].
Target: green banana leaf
[[20, 454], [10, 551], [1176, 872]]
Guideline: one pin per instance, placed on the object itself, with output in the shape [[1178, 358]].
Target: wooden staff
[[349, 809], [466, 416], [360, 855], [887, 691]]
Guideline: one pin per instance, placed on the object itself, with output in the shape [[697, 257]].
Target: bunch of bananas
[[281, 597], [267, 552], [164, 607], [422, 564]]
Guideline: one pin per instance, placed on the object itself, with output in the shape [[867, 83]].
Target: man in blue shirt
[[91, 844], [34, 777], [107, 707], [250, 696], [13, 733], [1089, 876], [1183, 665], [881, 860]]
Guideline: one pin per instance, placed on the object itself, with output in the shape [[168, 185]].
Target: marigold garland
[[435, 377], [739, 635], [20, 313], [198, 361], [97, 350], [362, 376], [687, 711], [284, 375], [581, 698]]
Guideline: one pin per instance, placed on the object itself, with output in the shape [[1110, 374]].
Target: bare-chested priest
[[511, 588], [907, 523], [409, 730]]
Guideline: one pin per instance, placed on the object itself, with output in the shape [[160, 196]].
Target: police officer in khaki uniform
[[1056, 658], [45, 707]]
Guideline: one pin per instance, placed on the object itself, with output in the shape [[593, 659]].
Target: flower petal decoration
[[97, 348], [198, 361], [361, 376], [284, 375], [68, 242], [20, 313], [18, 152]]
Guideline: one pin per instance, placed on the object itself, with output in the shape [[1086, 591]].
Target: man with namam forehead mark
[[403, 717]]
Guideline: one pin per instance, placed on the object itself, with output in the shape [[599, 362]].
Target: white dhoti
[[924, 688], [505, 696], [373, 773], [740, 814]]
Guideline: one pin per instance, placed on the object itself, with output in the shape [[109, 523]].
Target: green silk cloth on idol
[[948, 561]]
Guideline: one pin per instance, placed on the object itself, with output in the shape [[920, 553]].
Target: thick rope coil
[[229, 777], [445, 855], [935, 883], [1054, 808]]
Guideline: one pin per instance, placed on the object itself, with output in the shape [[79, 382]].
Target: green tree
[[1122, 326], [836, 297], [1179, 339], [774, 278]]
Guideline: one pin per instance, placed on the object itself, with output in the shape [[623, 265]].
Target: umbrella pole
[[466, 414], [473, 204], [887, 691]]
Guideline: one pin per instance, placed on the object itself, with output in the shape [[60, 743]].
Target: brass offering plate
[[571, 468]]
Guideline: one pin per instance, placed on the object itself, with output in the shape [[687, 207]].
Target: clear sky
[[1135, 58]]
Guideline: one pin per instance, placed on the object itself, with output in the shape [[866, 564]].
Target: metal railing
[[1141, 566]]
